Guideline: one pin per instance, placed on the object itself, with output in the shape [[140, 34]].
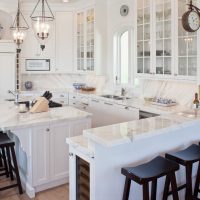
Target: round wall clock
[[191, 21], [124, 10]]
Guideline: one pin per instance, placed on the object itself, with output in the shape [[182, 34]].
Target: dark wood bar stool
[[9, 162], [187, 158], [151, 172]]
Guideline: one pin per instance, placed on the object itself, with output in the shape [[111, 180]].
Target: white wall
[[115, 23]]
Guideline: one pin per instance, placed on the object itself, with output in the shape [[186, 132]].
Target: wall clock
[[124, 10], [191, 19]]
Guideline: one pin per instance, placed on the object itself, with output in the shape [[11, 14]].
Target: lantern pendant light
[[41, 22], [19, 27]]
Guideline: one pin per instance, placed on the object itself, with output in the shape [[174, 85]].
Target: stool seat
[[5, 140], [186, 156], [155, 169]]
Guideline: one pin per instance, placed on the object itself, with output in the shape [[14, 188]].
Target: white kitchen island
[[107, 149], [40, 143]]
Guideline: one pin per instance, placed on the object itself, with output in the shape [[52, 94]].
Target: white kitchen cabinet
[[164, 48], [85, 20], [7, 71], [41, 155], [59, 150], [64, 42], [50, 158]]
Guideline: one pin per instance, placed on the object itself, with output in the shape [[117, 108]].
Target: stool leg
[[1, 162], [5, 162], [188, 194], [9, 163], [174, 186], [166, 188], [16, 170], [196, 188], [127, 189], [146, 191], [154, 190]]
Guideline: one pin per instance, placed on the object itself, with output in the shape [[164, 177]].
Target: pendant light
[[19, 27], [42, 16]]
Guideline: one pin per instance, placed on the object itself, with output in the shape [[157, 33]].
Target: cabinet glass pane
[[147, 48], [147, 65], [182, 67], [182, 45], [167, 11], [167, 66], [140, 32], [192, 47], [167, 47], [167, 29], [192, 66], [146, 16], [159, 30], [159, 65], [159, 48], [140, 65], [146, 32], [140, 17], [140, 49]]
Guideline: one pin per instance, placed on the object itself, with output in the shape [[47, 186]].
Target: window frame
[[117, 57]]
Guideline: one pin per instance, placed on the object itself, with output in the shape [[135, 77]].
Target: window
[[122, 57]]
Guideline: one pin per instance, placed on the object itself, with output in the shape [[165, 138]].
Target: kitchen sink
[[114, 97]]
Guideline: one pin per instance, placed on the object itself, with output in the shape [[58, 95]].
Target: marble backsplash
[[182, 92], [62, 81]]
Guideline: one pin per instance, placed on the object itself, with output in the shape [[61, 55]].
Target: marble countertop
[[128, 132], [11, 119], [133, 102]]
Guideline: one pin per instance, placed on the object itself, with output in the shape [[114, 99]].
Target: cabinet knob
[[71, 154], [47, 130]]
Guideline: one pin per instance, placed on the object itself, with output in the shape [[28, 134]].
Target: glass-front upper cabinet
[[143, 37], [85, 40], [187, 46], [163, 31]]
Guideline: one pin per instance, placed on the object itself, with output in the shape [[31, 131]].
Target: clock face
[[194, 20]]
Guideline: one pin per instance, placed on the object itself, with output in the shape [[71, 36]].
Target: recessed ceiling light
[[65, 1]]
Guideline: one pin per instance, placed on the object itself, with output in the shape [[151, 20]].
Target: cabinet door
[[7, 74], [59, 156], [85, 40], [164, 39], [64, 42], [187, 46], [143, 37], [41, 146]]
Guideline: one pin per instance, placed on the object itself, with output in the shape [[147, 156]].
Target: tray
[[164, 105]]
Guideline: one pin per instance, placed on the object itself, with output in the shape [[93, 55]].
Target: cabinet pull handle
[[85, 104], [127, 108], [110, 104], [175, 74], [71, 154], [97, 101]]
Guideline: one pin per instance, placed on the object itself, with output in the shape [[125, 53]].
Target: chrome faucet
[[16, 95]]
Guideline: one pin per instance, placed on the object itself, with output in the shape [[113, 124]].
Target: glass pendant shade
[[19, 27], [42, 18]]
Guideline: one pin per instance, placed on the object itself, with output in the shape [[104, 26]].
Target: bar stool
[[8, 157], [187, 158], [150, 172]]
